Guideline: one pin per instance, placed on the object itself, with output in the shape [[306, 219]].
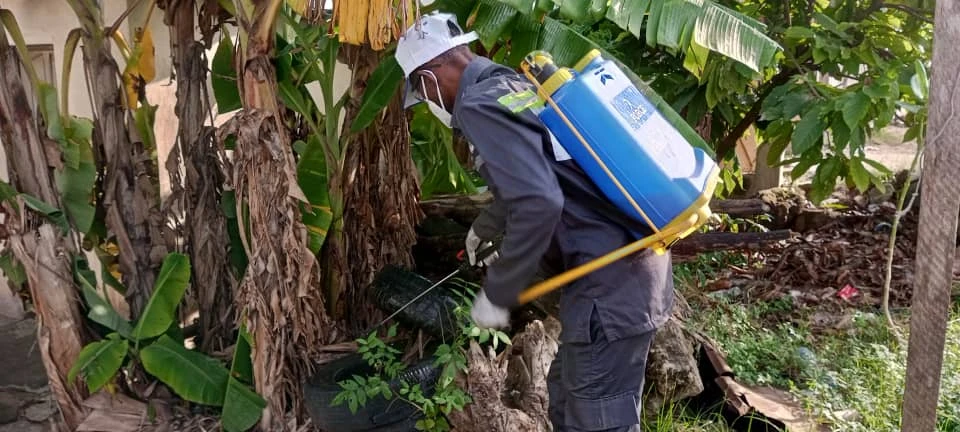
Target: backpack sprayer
[[630, 151], [641, 163]]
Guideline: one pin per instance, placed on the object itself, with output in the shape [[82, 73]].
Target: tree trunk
[[44, 253], [199, 193], [130, 187], [938, 229], [59, 322], [509, 390], [278, 294], [381, 192]]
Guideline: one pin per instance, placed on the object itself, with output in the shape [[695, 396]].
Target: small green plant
[[706, 267], [449, 357], [155, 341]]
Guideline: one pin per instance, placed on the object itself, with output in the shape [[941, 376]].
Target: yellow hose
[[575, 273]]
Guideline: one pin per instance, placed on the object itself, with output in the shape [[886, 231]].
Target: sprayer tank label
[[656, 134], [632, 106]]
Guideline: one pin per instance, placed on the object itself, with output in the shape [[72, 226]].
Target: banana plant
[[155, 341], [684, 27]]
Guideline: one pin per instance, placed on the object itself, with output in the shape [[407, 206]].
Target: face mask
[[439, 111]]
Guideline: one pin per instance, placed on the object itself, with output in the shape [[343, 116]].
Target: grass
[[676, 418], [852, 379]]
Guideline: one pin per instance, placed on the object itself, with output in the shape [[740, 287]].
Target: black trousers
[[597, 386]]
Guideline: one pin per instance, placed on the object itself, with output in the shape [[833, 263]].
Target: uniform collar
[[479, 69]]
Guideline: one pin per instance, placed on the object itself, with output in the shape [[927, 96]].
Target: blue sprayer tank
[[666, 177]]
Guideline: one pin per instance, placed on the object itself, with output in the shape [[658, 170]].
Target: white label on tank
[[658, 137], [559, 153]]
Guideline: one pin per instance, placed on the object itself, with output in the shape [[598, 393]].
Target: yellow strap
[[583, 141]]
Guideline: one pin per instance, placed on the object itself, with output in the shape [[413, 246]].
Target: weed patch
[[853, 380]]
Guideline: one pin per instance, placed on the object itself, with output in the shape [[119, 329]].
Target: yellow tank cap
[[594, 53], [561, 76]]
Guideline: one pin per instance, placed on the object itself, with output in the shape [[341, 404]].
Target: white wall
[[49, 22]]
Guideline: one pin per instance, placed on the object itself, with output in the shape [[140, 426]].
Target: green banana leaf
[[238, 256], [101, 311], [78, 177], [242, 406], [99, 361], [54, 214], [161, 310], [8, 194], [192, 375], [382, 87], [432, 147], [223, 77], [312, 178], [12, 268], [493, 20], [674, 24]]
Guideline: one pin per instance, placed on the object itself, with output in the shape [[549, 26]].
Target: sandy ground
[[888, 148]]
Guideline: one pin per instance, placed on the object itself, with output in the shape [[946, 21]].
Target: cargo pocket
[[599, 414]]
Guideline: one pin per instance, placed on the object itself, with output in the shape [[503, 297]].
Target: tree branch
[[916, 13], [875, 5], [729, 142]]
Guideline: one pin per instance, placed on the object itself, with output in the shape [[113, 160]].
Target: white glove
[[473, 244], [488, 315]]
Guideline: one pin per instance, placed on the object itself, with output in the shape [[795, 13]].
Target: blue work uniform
[[554, 217]]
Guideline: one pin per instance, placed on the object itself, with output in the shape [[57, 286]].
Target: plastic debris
[[848, 292]]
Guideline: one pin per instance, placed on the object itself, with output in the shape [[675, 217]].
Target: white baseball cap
[[438, 33]]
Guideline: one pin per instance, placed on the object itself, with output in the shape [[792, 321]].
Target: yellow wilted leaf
[[148, 54], [298, 6], [379, 23], [121, 44], [312, 10], [115, 271], [111, 248], [141, 67], [405, 17], [352, 20]]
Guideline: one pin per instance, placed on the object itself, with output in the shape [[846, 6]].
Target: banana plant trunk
[[278, 297], [38, 245], [198, 193], [131, 191], [381, 191]]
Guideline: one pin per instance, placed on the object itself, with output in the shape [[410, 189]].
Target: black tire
[[378, 414], [434, 312]]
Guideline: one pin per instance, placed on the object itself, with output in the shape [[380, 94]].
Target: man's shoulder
[[496, 91]]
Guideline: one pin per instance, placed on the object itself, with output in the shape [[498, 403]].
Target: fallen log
[[463, 209], [436, 254], [740, 207], [718, 241]]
